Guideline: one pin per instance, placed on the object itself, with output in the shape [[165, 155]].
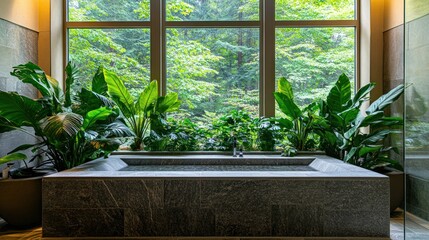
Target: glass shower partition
[[416, 67]]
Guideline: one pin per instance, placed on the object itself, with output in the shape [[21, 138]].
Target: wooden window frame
[[267, 25]]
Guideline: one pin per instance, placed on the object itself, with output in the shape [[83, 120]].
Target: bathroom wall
[[17, 45], [393, 62]]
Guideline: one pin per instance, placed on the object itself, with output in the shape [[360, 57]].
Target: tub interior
[[217, 163]]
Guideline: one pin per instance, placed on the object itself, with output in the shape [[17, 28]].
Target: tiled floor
[[416, 229]]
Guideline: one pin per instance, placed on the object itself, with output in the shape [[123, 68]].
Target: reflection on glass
[[417, 120], [124, 51], [214, 70], [312, 59], [212, 10], [108, 10], [315, 9]]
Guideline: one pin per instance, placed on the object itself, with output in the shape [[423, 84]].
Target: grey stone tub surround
[[336, 200]]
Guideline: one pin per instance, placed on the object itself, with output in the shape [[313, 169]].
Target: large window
[[219, 55]]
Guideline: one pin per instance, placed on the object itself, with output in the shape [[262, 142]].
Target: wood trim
[[108, 24], [318, 23], [212, 24], [268, 59]]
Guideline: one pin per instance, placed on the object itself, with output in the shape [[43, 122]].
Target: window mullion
[[268, 39], [156, 44]]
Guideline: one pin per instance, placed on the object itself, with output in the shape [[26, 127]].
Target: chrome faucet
[[234, 147]]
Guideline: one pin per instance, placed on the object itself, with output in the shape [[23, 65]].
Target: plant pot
[[396, 178], [21, 201]]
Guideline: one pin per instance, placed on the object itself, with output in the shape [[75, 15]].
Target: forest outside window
[[216, 53]]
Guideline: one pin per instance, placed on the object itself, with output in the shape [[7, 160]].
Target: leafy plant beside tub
[[69, 131]]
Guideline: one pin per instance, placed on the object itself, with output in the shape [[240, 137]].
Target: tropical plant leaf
[[119, 93], [71, 76], [340, 94], [20, 110], [23, 147], [62, 126], [369, 149], [385, 100], [285, 123], [285, 87], [34, 75], [287, 105], [169, 103], [350, 154], [95, 115], [6, 125], [91, 100], [12, 157], [362, 94], [118, 129], [148, 96], [99, 84], [376, 137]]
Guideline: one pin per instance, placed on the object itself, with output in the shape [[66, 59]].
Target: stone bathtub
[[194, 195]]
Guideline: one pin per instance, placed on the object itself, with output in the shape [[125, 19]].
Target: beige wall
[[22, 12], [393, 13], [34, 15]]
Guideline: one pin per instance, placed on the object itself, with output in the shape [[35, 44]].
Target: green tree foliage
[[215, 70]]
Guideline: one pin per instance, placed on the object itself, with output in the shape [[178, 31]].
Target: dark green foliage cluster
[[69, 132], [345, 132], [252, 134]]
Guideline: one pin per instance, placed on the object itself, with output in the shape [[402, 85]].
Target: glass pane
[[124, 51], [416, 117], [214, 70], [108, 10], [212, 10], [315, 9], [313, 59]]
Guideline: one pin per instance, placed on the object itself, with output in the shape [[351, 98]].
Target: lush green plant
[[299, 123], [66, 137], [173, 135], [250, 133], [138, 113], [12, 157], [345, 134]]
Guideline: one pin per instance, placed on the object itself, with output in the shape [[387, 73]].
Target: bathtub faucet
[[234, 147]]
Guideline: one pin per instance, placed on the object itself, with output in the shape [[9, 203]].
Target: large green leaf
[[369, 149], [99, 84], [6, 125], [20, 110], [119, 93], [62, 126], [91, 100], [148, 96], [285, 87], [12, 157], [71, 76], [340, 94], [287, 106], [95, 115], [385, 100], [34, 75], [376, 137], [169, 103], [362, 94]]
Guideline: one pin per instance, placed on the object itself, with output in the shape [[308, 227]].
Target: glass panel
[[214, 70], [313, 59], [315, 10], [108, 10], [124, 51], [212, 10], [416, 119]]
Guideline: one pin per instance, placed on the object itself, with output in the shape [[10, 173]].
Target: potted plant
[[358, 137], [68, 132], [138, 113], [298, 122]]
